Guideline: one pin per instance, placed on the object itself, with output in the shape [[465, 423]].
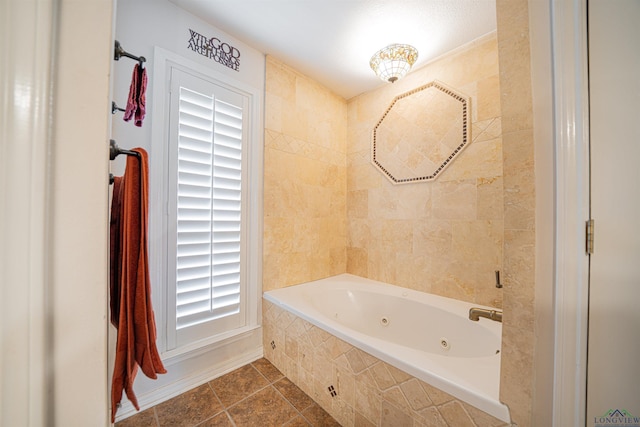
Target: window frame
[[159, 242]]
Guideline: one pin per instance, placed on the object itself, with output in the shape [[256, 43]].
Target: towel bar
[[115, 151]]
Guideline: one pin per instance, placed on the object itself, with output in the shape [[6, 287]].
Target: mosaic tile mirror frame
[[421, 133]]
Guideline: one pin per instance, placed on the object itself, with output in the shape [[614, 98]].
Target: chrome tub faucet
[[476, 313]]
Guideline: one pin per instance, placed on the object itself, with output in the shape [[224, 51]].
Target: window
[[207, 221]]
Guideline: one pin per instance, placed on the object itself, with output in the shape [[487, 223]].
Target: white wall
[[614, 286], [79, 216], [541, 80], [25, 31], [571, 186], [141, 27], [54, 212]]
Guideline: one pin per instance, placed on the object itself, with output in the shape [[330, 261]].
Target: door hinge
[[590, 232]]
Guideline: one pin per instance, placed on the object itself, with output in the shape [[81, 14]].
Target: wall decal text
[[221, 52]]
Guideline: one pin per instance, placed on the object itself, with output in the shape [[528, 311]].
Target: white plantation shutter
[[207, 138]]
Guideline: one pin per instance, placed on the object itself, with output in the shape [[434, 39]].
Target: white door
[[613, 378]]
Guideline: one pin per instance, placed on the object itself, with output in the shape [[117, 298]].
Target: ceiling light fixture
[[394, 61]]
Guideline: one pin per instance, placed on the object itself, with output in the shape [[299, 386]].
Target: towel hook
[[115, 108], [119, 52], [115, 151]]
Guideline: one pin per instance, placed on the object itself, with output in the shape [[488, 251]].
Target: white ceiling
[[332, 41]]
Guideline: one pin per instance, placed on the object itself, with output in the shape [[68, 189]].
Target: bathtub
[[425, 335]]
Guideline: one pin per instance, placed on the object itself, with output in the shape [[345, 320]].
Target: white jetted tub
[[425, 335]]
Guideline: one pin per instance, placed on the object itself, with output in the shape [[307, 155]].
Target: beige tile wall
[[368, 391], [444, 236], [305, 179], [518, 333]]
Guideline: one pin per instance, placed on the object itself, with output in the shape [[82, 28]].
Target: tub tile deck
[[354, 387], [256, 394]]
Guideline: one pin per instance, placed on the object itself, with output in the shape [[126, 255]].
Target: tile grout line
[[224, 409], [155, 415], [294, 407], [283, 396], [270, 383]]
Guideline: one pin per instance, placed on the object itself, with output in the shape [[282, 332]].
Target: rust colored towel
[[131, 310], [115, 264]]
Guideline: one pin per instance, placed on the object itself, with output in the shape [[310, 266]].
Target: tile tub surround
[[443, 236], [393, 234], [256, 394], [305, 179], [356, 388], [519, 332]]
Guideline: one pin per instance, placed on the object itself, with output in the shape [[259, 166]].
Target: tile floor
[[256, 394]]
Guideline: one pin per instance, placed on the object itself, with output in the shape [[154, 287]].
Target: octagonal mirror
[[421, 133]]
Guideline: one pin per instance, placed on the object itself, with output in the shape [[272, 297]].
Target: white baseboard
[[180, 384]]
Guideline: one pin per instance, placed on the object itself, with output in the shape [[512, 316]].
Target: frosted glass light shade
[[394, 61]]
